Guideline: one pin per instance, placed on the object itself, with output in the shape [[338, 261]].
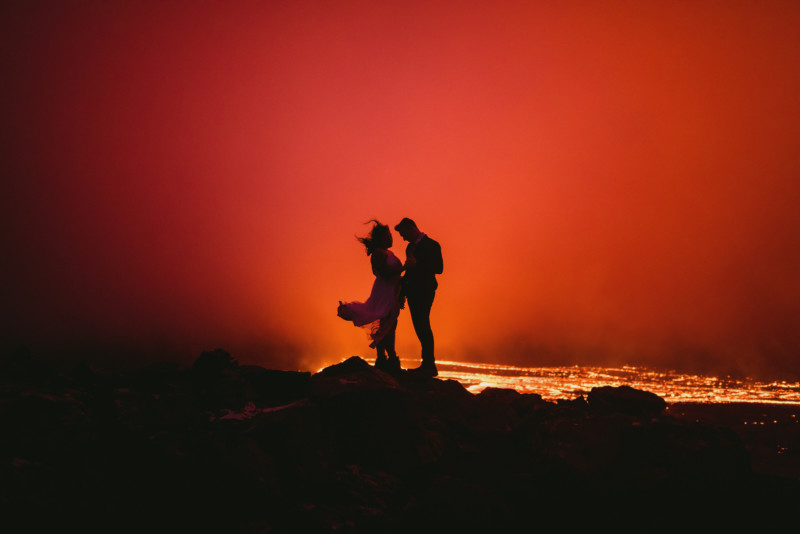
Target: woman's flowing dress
[[380, 311]]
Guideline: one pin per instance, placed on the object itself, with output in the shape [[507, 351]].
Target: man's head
[[408, 229]]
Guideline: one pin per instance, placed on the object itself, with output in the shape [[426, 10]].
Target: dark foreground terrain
[[229, 448]]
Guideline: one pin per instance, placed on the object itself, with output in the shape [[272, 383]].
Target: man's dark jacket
[[421, 279]]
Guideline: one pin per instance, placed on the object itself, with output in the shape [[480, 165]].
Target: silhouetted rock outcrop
[[627, 400], [351, 449]]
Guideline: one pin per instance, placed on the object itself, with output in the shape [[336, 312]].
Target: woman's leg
[[380, 360], [392, 362], [388, 344]]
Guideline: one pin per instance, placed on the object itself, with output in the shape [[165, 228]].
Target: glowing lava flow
[[569, 382]]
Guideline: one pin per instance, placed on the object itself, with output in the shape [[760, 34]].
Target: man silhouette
[[423, 263]]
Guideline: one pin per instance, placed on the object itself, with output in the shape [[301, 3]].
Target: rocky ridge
[[351, 449]]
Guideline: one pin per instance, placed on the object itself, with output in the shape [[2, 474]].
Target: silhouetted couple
[[395, 283]]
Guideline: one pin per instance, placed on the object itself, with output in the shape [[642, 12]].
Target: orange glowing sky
[[611, 182]]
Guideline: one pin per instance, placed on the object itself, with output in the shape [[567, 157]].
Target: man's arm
[[438, 263]]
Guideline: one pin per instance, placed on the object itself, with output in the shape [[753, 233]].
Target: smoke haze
[[610, 183]]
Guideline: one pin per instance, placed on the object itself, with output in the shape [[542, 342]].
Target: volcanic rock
[[627, 400], [350, 449]]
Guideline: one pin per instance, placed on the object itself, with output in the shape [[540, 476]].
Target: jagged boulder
[[627, 400], [211, 364], [372, 419], [350, 376]]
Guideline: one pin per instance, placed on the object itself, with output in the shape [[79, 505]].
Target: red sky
[[611, 182]]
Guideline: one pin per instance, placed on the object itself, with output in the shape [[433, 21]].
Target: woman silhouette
[[379, 312]]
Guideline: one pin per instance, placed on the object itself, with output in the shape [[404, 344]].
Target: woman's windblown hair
[[379, 237]]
